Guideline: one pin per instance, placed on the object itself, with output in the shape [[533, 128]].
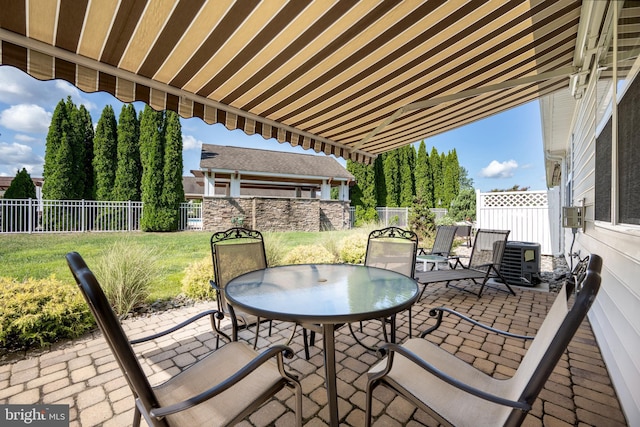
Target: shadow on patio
[[84, 375]]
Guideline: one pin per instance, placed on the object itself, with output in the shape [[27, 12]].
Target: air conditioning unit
[[521, 263]]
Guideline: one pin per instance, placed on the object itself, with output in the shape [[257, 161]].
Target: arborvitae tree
[[436, 169], [75, 139], [105, 153], [22, 187], [380, 180], [86, 124], [152, 160], [58, 131], [362, 194], [172, 188], [424, 177], [129, 169], [392, 178], [450, 178], [407, 183]]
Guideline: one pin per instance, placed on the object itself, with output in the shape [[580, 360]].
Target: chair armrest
[[214, 314], [457, 262], [395, 348], [214, 286], [439, 311], [278, 351]]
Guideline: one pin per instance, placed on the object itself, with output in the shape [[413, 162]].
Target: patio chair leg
[[136, 417], [305, 338]]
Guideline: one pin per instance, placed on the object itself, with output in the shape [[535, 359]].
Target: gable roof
[[353, 79], [222, 158]]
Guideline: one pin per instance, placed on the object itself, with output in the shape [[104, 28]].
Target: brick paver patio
[[84, 375]]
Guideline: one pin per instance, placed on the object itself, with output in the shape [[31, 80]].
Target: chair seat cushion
[[212, 370], [451, 403]]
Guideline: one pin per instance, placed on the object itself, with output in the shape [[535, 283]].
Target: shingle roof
[[249, 160]]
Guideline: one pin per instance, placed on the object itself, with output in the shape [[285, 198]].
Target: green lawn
[[41, 255]]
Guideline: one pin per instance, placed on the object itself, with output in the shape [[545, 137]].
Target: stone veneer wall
[[275, 214]]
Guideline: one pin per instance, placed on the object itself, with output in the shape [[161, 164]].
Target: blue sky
[[498, 152]]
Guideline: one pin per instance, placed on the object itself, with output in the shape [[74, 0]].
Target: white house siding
[[614, 316]]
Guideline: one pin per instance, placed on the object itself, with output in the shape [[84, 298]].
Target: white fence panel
[[68, 216], [525, 213]]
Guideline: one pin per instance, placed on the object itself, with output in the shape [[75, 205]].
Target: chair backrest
[[488, 248], [113, 333], [444, 240], [234, 252], [553, 337], [392, 248]]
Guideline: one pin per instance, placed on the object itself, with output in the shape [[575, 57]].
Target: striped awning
[[349, 78]]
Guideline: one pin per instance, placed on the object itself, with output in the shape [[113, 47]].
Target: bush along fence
[[65, 216], [398, 217]]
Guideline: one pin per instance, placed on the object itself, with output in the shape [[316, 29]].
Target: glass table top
[[322, 293]]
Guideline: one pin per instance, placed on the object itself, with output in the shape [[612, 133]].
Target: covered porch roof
[[352, 79]]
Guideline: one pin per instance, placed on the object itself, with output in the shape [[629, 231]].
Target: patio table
[[325, 294], [431, 259]]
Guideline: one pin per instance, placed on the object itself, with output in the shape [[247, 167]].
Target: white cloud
[[499, 170], [191, 143], [20, 88], [14, 157], [25, 138], [27, 118]]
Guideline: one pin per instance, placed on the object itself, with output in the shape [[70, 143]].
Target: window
[[627, 170]]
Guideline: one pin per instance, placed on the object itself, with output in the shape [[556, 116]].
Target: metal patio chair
[[443, 241], [484, 263], [391, 248], [456, 393], [220, 389], [234, 252]]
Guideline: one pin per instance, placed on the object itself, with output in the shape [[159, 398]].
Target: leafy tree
[[172, 189], [465, 181], [463, 207], [86, 126], [129, 169], [105, 152], [152, 160], [22, 187], [421, 220], [516, 187]]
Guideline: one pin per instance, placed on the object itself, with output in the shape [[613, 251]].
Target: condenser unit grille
[[521, 263]]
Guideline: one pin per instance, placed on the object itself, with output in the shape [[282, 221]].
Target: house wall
[[275, 214], [613, 316]]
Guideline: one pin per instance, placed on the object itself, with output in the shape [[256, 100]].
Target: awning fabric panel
[[321, 74]]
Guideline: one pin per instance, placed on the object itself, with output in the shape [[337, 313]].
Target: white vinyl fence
[[525, 213], [66, 216]]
